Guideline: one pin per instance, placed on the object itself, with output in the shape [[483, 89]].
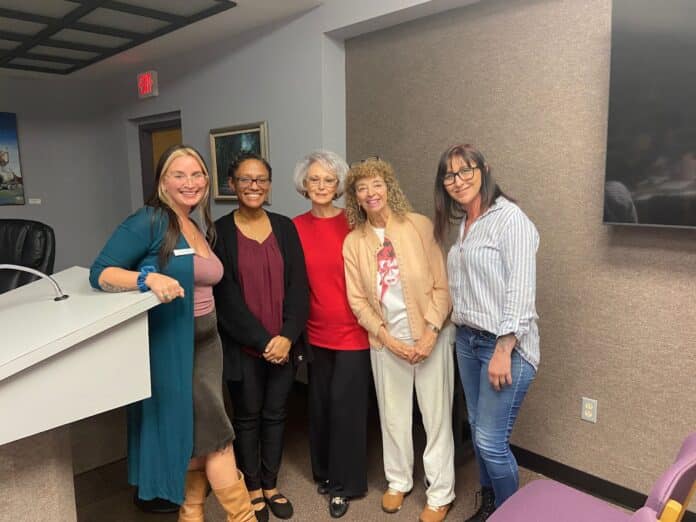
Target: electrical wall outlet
[[589, 410]]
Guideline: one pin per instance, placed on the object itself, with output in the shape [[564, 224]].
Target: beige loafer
[[392, 500], [434, 513]]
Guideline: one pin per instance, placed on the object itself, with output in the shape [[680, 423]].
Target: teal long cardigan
[[160, 429]]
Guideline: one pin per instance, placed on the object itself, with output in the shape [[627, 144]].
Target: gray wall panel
[[527, 81]]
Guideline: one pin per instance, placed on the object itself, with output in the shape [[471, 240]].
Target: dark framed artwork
[[11, 181], [225, 144]]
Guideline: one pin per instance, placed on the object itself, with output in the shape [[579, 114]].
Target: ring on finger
[[166, 296]]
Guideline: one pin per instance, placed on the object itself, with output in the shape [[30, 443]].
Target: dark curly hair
[[247, 155]]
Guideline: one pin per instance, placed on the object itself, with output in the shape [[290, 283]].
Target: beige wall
[[527, 81]]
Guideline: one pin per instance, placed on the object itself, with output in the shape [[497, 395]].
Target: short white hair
[[331, 161]]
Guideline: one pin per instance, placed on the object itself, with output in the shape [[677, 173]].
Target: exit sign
[[147, 84]]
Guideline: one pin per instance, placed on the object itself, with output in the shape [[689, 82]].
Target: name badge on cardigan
[[184, 251]]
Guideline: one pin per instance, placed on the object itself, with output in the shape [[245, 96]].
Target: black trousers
[[259, 402], [339, 382]]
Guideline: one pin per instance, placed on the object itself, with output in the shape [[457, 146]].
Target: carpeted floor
[[104, 496]]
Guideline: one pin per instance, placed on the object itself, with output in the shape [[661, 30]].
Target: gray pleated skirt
[[212, 430]]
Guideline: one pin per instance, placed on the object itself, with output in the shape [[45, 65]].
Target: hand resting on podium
[[115, 279]]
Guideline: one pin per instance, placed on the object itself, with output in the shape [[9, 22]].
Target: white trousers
[[434, 383]]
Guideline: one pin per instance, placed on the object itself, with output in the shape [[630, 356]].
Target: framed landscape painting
[[225, 144], [11, 182]]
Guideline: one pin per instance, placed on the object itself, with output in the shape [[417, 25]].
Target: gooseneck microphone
[[60, 296]]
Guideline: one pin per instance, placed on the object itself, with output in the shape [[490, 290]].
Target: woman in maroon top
[[262, 302], [339, 375]]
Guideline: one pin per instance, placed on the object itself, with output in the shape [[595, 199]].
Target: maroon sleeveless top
[[261, 278]]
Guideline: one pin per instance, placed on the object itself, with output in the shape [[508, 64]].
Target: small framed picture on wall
[[11, 181], [225, 144]]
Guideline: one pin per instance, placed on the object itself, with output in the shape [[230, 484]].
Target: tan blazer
[[421, 265]]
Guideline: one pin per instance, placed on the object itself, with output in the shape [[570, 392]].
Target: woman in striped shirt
[[492, 279]]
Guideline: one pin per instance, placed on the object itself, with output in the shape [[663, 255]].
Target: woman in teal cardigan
[[154, 250]]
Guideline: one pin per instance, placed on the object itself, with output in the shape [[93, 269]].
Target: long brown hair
[[447, 210], [161, 203]]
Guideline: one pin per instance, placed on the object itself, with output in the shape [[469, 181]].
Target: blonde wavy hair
[[372, 168], [160, 201]]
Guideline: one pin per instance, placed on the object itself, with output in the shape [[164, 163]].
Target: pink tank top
[[206, 273]]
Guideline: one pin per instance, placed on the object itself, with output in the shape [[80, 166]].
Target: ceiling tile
[[109, 26], [71, 35], [54, 8], [6, 44], [177, 7], [19, 26], [41, 63], [68, 53], [121, 20]]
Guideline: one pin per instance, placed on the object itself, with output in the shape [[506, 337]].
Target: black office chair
[[26, 243]]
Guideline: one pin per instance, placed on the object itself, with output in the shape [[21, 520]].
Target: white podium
[[61, 361]]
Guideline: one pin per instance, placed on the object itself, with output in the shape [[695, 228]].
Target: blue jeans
[[491, 413]]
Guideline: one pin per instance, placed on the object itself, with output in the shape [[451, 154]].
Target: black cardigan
[[237, 325]]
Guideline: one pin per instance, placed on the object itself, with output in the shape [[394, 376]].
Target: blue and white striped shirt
[[492, 276]]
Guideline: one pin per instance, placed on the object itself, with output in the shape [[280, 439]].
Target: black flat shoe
[[338, 506], [323, 487], [156, 505], [261, 514], [280, 509]]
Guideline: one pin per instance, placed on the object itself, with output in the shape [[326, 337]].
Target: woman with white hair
[[339, 375]]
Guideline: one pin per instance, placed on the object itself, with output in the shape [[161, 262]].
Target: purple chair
[[550, 501]]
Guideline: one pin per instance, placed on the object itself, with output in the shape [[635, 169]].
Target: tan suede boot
[[196, 489], [235, 500]]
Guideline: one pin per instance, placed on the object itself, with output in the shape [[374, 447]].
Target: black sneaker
[[323, 487], [487, 506], [338, 506]]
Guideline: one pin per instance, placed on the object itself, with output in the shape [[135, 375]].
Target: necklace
[[189, 229]]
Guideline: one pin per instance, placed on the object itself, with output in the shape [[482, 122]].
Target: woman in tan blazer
[[397, 288]]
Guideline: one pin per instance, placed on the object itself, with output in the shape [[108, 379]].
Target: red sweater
[[331, 322]]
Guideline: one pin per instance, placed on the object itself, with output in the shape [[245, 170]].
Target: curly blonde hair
[[372, 168]]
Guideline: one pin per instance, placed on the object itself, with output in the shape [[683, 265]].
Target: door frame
[[145, 131]]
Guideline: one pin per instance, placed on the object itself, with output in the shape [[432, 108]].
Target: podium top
[[35, 327]]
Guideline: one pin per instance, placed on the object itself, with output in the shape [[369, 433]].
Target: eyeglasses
[[180, 177], [248, 182], [465, 174], [315, 182]]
